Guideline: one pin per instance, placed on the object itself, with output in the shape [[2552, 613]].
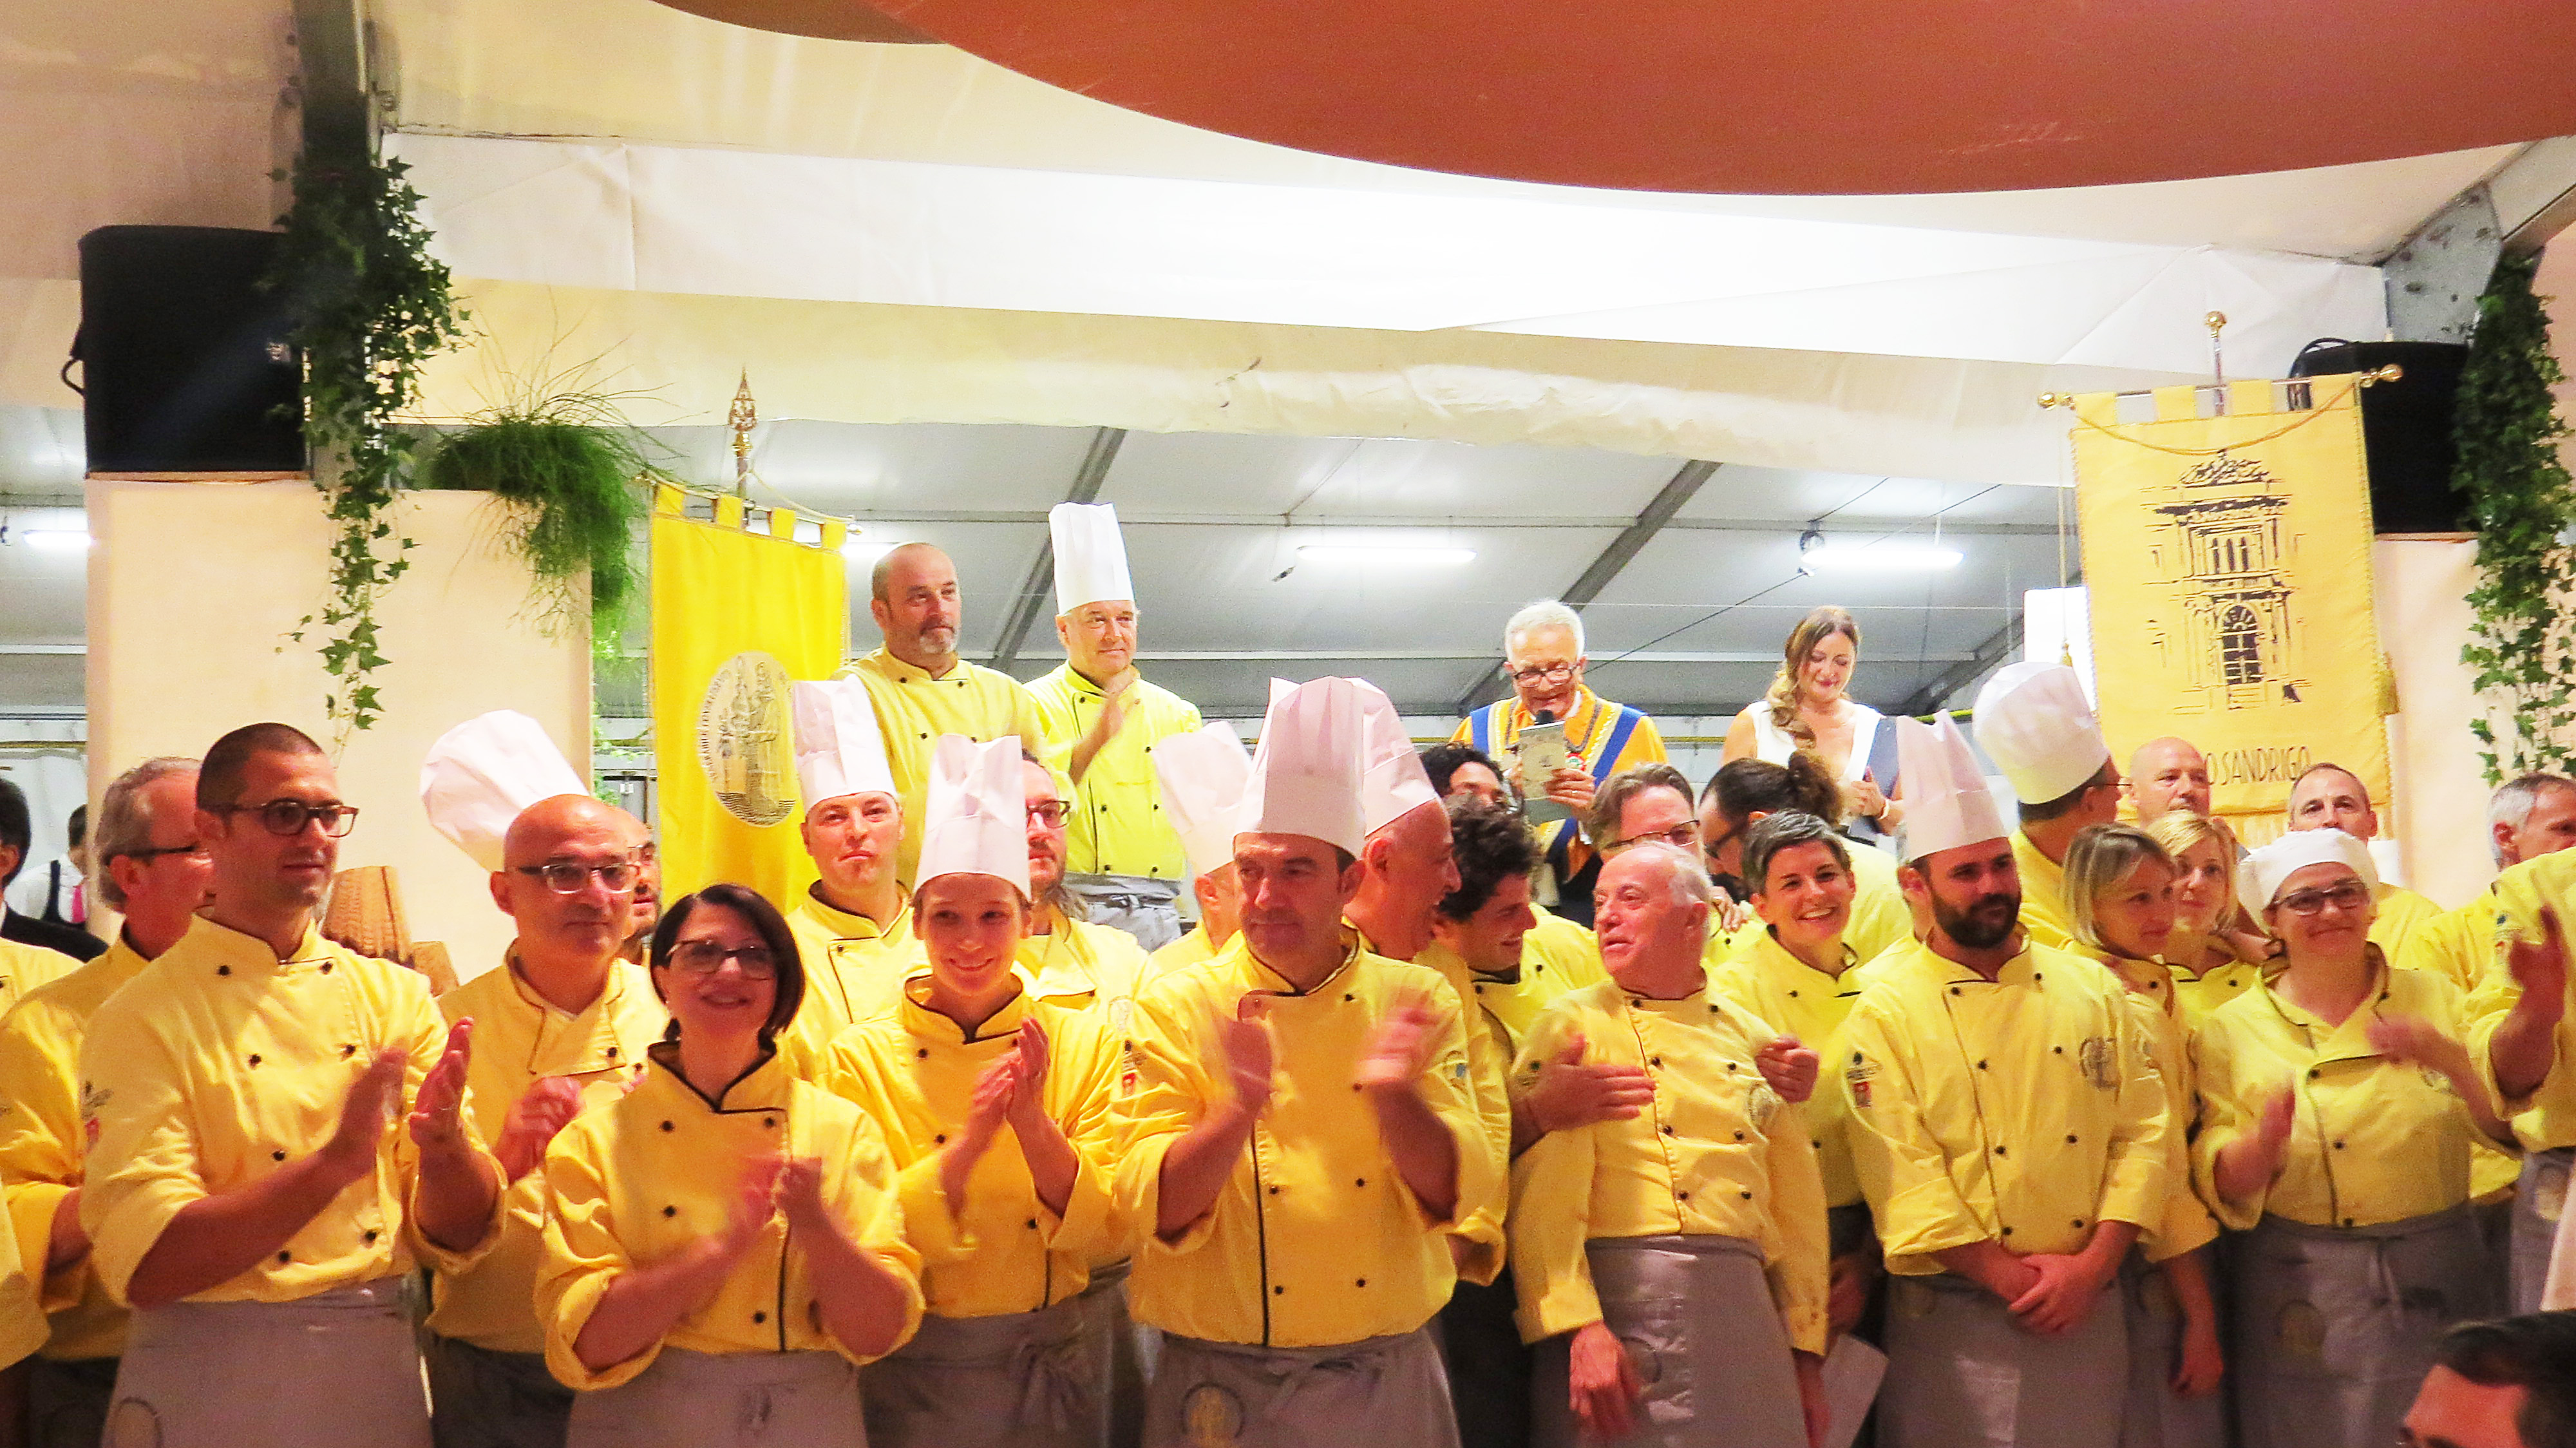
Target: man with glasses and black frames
[[1543, 655], [257, 1202], [1653, 802], [560, 1027], [151, 866], [1069, 960]]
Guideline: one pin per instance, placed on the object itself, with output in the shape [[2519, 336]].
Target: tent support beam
[[1041, 580], [1981, 658], [1623, 550]]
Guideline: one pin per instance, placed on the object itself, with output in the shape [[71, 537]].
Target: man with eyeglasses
[[1070, 961], [151, 866], [2331, 797], [854, 923], [1543, 655], [250, 1195], [2033, 720], [561, 1027], [1125, 865], [1653, 802]]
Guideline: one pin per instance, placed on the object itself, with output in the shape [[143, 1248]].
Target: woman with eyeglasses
[[2338, 1106], [1747, 791], [724, 1245], [996, 1106], [1808, 710], [2120, 903], [2212, 957]]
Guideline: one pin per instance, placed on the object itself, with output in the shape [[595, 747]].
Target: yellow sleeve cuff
[[581, 1298], [32, 1206]]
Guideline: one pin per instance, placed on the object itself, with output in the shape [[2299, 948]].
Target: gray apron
[[686, 1399], [1132, 1349], [2333, 1327], [2157, 1416], [479, 1398], [1962, 1372], [333, 1369], [1144, 907], [1013, 1380], [1379, 1390], [2539, 1200], [1696, 1316]]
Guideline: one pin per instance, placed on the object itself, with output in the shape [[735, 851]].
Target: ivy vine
[[370, 306], [2507, 430]]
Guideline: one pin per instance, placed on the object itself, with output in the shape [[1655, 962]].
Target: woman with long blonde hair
[[2212, 956], [1807, 709]]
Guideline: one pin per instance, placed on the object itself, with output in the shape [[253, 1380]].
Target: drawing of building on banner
[[2220, 548]]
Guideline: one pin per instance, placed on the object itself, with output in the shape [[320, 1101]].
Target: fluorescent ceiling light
[[57, 540], [1852, 557], [1385, 553]]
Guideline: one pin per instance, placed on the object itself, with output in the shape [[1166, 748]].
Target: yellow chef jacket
[[2401, 912], [1879, 915], [1717, 1155], [642, 1178], [913, 1071], [42, 1143], [1775, 986], [520, 1038], [2210, 989], [24, 968], [852, 970], [1192, 949], [2021, 1110], [217, 1064], [2043, 896], [2547, 1119], [1489, 1064], [1080, 965], [22, 1313], [2371, 1140], [1116, 824], [914, 709], [1568, 949], [1314, 1239], [1510, 1004], [2456, 945], [2156, 997]]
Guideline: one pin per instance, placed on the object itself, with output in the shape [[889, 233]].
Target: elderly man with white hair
[[1543, 655]]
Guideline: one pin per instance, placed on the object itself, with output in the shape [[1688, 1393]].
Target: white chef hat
[[976, 819], [2260, 873], [839, 749], [1203, 774], [482, 773], [1306, 773], [1393, 782], [1947, 804], [2035, 725], [1090, 556]]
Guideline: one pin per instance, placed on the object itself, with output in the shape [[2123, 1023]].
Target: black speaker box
[[2405, 428], [185, 362]]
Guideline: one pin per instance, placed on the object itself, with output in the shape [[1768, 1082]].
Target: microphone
[[1544, 716]]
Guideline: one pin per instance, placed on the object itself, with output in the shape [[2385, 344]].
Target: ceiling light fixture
[[1383, 554], [57, 540], [1893, 557]]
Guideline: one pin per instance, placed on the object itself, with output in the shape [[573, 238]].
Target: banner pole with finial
[[742, 418], [2216, 322]]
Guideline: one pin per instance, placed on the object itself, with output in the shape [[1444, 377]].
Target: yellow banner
[[736, 616], [2228, 559]]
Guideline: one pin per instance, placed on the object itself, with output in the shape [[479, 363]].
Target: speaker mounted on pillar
[[186, 364]]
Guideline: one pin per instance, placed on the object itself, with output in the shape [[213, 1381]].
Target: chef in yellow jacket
[[2329, 796], [1301, 1136], [1671, 1267], [1559, 947], [1801, 974], [25, 969], [1125, 866], [2525, 1037], [724, 1244], [1202, 775], [561, 1026], [2120, 899], [854, 923], [248, 1192], [2033, 721], [151, 867], [2339, 1100], [922, 689], [1745, 792], [2010, 1134], [1068, 960], [997, 1110], [2527, 817], [2213, 959]]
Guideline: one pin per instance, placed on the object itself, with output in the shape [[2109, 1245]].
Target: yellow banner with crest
[[2227, 552]]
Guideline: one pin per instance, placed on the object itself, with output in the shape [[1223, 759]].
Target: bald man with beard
[[563, 1025]]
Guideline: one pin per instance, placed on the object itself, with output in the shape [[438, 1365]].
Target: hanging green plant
[[570, 465], [370, 307], [2507, 429]]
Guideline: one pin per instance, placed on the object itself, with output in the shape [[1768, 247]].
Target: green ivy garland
[[370, 307], [2507, 429]]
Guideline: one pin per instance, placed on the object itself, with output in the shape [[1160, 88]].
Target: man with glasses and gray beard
[[279, 1140], [2010, 1134]]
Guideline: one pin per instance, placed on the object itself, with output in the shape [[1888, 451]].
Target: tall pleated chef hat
[[1947, 804], [1306, 773], [1090, 556], [2260, 873], [839, 749], [1203, 775], [2033, 722], [1393, 782], [479, 775], [976, 819]]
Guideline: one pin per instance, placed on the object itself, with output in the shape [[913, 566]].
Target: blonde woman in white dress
[[1808, 709]]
